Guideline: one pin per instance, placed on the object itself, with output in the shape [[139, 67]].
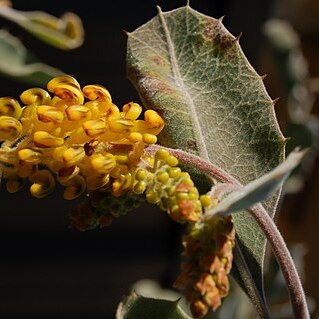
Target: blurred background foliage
[[48, 270]]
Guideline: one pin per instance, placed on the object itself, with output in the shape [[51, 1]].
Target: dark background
[[48, 270]]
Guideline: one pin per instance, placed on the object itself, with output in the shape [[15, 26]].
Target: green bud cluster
[[100, 208]]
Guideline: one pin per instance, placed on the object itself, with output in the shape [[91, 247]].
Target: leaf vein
[[202, 149]]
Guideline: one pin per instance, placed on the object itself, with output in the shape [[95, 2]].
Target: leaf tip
[[159, 10], [286, 140], [263, 76], [237, 39], [126, 32], [220, 20], [176, 302], [274, 101]]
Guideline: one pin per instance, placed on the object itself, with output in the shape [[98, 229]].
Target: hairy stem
[[265, 222], [197, 162], [284, 259]]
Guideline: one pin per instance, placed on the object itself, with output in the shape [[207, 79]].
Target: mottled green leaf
[[13, 63], [190, 69], [138, 307], [64, 33]]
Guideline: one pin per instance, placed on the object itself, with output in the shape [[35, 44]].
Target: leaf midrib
[[200, 140]]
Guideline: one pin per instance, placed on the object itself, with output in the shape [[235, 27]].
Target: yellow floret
[[10, 128], [45, 139], [30, 156], [43, 184], [10, 107]]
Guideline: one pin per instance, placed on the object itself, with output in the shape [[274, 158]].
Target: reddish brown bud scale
[[208, 262]]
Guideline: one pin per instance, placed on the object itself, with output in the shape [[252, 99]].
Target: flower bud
[[65, 174], [77, 112], [162, 154], [132, 111], [122, 159], [10, 128], [139, 187], [75, 187], [149, 138], [97, 92], [43, 184], [122, 184], [66, 88], [152, 197], [205, 200], [141, 174], [103, 164], [135, 137], [10, 107], [45, 139], [154, 121], [57, 153], [30, 156], [15, 184], [49, 114], [94, 128], [35, 96], [97, 181], [120, 125], [73, 156], [162, 177]]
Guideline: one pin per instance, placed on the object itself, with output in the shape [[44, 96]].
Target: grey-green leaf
[[64, 33], [257, 190], [189, 68], [13, 62], [138, 307]]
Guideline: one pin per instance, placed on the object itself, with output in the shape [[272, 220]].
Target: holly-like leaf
[[137, 307], [13, 56], [189, 68]]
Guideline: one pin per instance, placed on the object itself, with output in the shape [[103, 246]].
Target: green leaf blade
[[190, 69], [136, 307], [13, 62]]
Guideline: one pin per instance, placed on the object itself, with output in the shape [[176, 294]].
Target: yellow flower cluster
[[77, 134], [209, 256]]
